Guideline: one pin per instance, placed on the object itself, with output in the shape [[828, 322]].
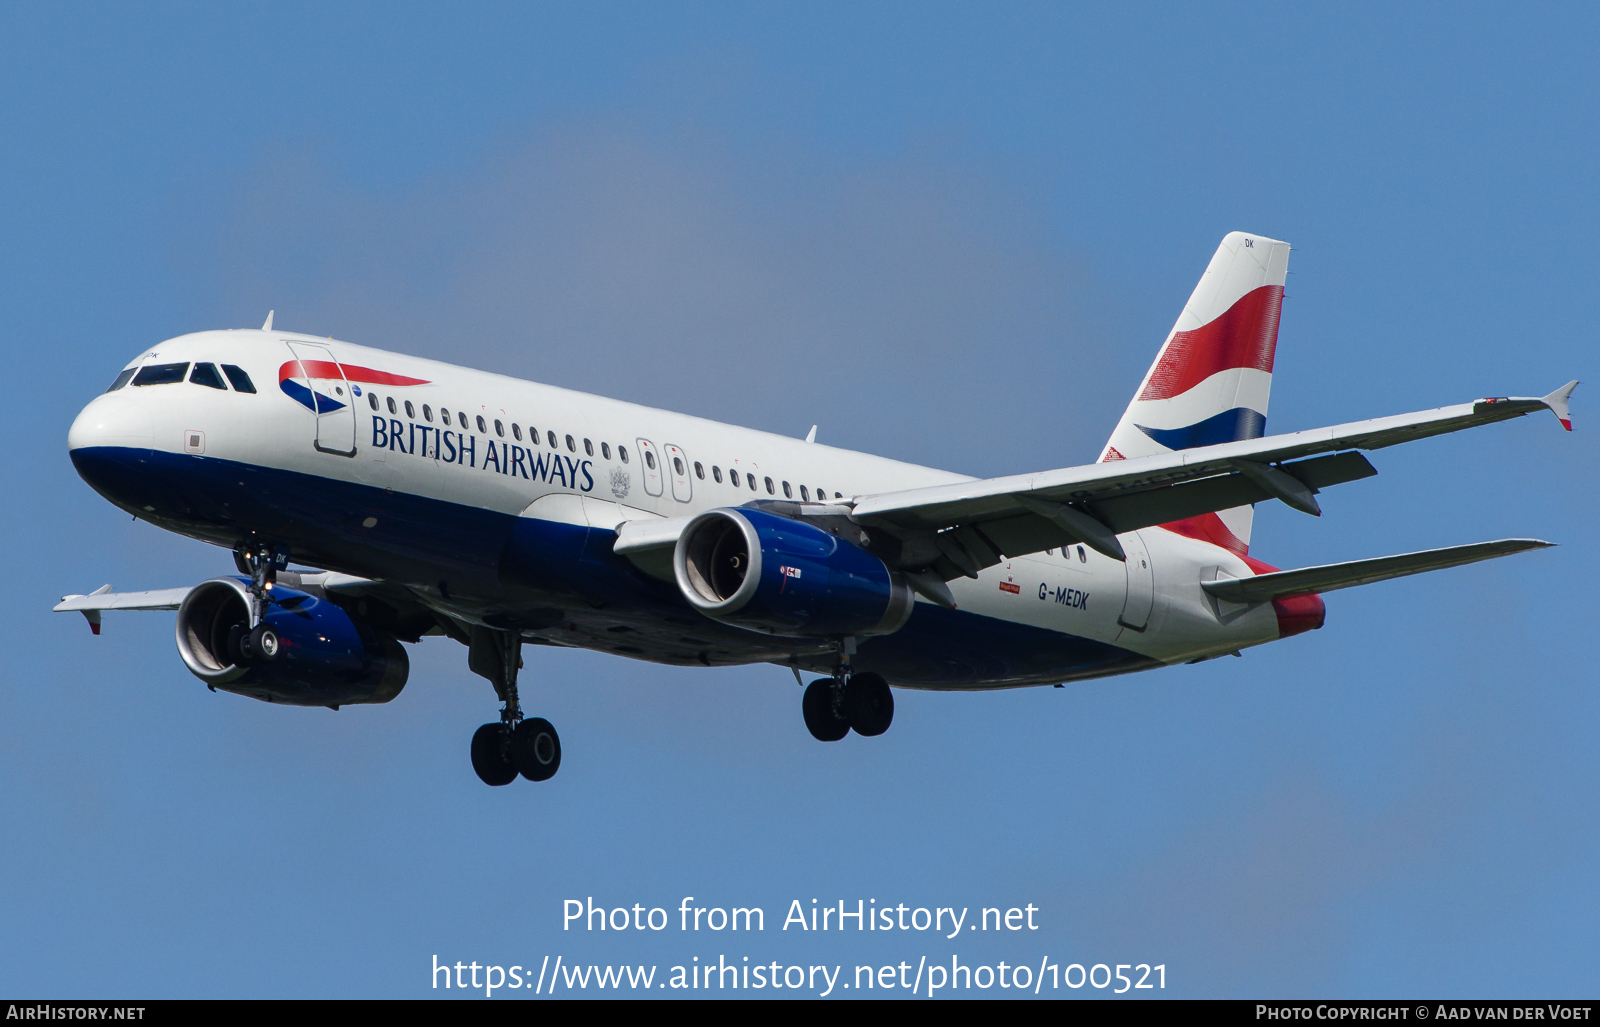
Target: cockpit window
[[160, 374], [206, 374], [122, 379], [241, 381]]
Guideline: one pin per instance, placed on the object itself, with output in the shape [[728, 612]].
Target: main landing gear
[[513, 746], [847, 701]]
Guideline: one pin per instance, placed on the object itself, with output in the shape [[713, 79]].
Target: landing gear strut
[[501, 751], [834, 706], [257, 642]]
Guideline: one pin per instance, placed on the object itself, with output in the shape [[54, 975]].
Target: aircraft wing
[[1329, 577], [962, 528], [102, 598]]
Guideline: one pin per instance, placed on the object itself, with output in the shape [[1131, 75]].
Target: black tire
[[536, 749], [489, 756], [264, 644], [238, 637], [817, 706], [869, 704]]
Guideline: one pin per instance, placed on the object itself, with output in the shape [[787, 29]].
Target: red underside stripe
[[353, 373], [1296, 614], [1245, 336]]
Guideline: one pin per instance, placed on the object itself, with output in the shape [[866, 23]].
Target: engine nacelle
[[327, 657], [786, 577]]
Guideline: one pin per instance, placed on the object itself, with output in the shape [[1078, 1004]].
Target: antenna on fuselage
[[811, 436], [266, 326]]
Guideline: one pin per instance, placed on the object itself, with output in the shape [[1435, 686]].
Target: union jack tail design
[[1211, 380]]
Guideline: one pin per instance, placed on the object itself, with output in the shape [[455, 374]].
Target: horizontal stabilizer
[[1329, 577]]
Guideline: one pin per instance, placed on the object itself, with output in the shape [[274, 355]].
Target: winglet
[[1557, 402], [92, 616], [266, 326], [811, 436]]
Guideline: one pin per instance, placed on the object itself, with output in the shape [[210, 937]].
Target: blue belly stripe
[[534, 568]]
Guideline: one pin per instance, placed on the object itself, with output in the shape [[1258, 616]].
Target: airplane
[[427, 499]]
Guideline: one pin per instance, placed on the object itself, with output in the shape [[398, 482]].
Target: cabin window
[[482, 428], [622, 451], [516, 431], [427, 413], [552, 437], [206, 374], [837, 496], [770, 490], [649, 459], [805, 497], [411, 411], [699, 472], [444, 415], [822, 494], [461, 418], [122, 379], [788, 493], [750, 479], [161, 374], [499, 429], [1083, 555], [716, 474], [241, 381], [605, 450], [677, 466], [392, 409], [372, 400]]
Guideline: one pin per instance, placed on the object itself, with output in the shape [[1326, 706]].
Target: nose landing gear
[[500, 751]]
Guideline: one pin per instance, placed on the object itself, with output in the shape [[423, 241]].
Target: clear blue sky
[[949, 233]]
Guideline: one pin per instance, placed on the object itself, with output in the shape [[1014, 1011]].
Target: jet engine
[[776, 574], [323, 656]]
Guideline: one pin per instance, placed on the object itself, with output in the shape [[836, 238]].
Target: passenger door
[[678, 464], [649, 466], [1141, 583], [315, 380]]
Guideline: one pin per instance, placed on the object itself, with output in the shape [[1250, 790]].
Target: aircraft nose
[[112, 420]]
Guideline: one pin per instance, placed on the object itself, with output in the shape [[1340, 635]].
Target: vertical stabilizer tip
[[266, 326]]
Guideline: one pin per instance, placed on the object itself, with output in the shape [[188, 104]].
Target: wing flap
[[1330, 577], [1222, 492]]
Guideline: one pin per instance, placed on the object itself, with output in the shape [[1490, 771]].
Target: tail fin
[[1212, 378]]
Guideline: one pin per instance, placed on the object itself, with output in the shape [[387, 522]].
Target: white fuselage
[[1152, 606]]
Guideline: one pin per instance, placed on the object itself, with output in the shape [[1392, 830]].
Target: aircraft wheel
[[489, 756], [264, 644], [817, 706], [869, 704], [237, 641], [536, 749]]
